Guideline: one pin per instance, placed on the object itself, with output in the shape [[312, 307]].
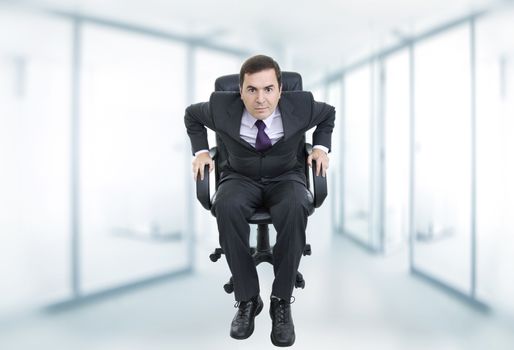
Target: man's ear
[[240, 92]]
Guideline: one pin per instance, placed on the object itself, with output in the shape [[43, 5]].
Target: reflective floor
[[352, 300]]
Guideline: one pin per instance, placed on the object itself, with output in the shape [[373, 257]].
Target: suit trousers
[[235, 202]]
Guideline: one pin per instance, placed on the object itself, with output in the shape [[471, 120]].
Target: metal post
[[412, 224], [190, 210], [263, 238], [75, 158], [381, 149], [371, 154], [472, 40], [342, 158]]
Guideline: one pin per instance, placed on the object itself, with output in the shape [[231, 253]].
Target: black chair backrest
[[291, 81]]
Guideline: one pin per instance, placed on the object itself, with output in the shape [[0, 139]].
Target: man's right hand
[[199, 163]]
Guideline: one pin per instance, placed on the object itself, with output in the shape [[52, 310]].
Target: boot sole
[[250, 332], [276, 343]]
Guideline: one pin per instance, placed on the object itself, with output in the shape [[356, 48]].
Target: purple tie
[[262, 142]]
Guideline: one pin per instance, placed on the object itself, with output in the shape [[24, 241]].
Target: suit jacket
[[223, 114]]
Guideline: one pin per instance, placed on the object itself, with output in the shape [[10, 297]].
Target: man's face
[[260, 93]]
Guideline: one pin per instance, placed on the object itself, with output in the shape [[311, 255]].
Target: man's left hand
[[321, 159]]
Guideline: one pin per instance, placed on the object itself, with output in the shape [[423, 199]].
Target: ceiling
[[313, 37]]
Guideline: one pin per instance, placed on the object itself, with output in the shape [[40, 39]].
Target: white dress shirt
[[274, 129]]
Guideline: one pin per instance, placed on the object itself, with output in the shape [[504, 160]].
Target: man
[[262, 130]]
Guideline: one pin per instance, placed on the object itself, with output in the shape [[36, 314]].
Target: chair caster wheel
[[300, 282], [229, 286], [214, 257]]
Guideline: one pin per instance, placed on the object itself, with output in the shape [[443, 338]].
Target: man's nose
[[260, 97]]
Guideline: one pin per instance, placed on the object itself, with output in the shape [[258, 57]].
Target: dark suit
[[274, 179]]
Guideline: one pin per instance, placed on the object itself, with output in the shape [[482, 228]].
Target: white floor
[[352, 300]]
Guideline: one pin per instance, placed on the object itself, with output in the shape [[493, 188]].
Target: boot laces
[[282, 309], [244, 310]]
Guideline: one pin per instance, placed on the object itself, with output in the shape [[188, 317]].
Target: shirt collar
[[249, 120]]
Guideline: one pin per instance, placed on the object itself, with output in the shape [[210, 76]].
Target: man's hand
[[199, 164], [321, 159]]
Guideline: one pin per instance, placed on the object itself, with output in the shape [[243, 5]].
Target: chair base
[[262, 253], [299, 283], [260, 256]]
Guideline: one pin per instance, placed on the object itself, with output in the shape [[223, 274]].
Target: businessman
[[262, 129]]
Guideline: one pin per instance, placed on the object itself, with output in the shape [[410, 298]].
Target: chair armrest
[[203, 193], [319, 182]]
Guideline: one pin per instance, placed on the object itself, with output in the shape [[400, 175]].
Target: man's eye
[[269, 89]]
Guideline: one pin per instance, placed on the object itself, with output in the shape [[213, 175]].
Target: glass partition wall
[[425, 95], [34, 160], [96, 188], [495, 170], [132, 156], [396, 154], [356, 141], [425, 155], [442, 158]]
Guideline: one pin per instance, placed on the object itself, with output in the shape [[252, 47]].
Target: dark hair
[[257, 64]]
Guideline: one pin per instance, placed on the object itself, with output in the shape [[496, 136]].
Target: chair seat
[[262, 215]]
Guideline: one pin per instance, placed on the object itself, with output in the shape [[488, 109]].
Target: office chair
[[262, 252]]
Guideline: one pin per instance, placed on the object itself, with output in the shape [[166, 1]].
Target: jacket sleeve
[[196, 118], [322, 117]]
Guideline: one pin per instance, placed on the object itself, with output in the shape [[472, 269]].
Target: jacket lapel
[[232, 125], [288, 120], [234, 116]]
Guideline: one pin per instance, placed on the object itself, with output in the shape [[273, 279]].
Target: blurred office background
[[102, 242]]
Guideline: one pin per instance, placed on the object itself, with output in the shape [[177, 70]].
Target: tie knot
[[260, 125]]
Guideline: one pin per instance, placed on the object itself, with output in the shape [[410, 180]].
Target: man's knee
[[295, 200], [227, 206], [232, 198], [232, 203]]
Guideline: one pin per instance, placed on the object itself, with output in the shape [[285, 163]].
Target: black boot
[[243, 323], [282, 330]]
